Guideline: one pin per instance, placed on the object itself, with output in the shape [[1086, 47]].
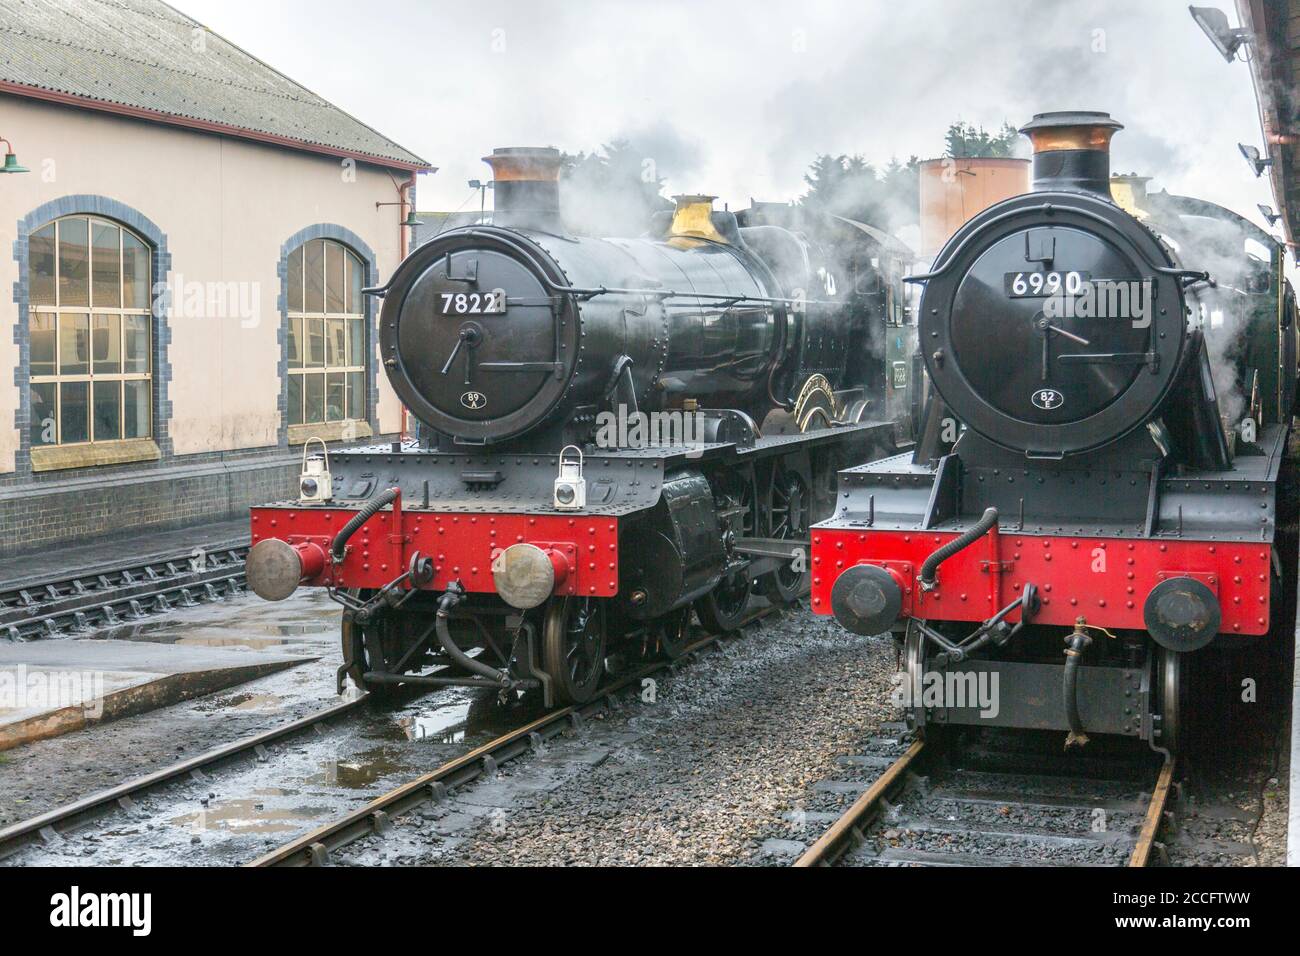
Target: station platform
[[104, 554], [53, 687]]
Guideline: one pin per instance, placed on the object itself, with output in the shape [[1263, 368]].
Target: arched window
[[91, 368], [327, 334]]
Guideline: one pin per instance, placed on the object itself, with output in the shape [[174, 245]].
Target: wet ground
[[244, 808], [718, 763], [696, 770]]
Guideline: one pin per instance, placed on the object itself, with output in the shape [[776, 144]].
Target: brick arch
[[345, 236], [160, 266]]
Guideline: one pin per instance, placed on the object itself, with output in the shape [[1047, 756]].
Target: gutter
[[207, 126]]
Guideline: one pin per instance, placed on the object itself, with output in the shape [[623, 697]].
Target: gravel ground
[[727, 748], [733, 759]]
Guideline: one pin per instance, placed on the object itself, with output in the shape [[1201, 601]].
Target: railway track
[[1019, 806], [52, 826], [109, 597], [315, 848]]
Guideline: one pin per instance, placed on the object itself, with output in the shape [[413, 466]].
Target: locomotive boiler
[[1086, 507], [614, 432]]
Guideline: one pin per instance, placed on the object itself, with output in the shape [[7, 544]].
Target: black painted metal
[[576, 307], [866, 600], [676, 554], [1182, 614], [1029, 695], [989, 355]]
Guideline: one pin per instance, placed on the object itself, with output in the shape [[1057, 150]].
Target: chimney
[[1072, 151], [526, 188]]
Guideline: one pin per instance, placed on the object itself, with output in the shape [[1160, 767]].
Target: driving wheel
[[573, 648], [788, 512]]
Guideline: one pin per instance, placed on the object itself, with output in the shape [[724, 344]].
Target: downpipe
[[1075, 644]]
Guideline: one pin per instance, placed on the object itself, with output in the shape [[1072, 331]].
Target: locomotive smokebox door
[[1054, 320]]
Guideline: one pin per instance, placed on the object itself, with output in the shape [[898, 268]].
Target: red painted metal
[[462, 546], [1106, 580], [312, 556]]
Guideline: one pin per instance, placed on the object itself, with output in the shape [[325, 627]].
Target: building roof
[[1274, 30], [434, 223], [145, 59]]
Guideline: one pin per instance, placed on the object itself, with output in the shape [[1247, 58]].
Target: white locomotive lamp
[[570, 486], [315, 483]]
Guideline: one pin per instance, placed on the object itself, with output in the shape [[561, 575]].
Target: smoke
[[763, 86], [1222, 312], [616, 189]]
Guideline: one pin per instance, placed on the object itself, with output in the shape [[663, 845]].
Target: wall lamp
[[11, 161]]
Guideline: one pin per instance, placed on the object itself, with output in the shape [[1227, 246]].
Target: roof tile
[[147, 55]]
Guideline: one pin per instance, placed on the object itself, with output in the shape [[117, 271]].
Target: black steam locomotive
[[1095, 495], [613, 432]]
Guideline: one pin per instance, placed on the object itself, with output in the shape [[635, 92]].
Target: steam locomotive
[[614, 432], [1095, 493]]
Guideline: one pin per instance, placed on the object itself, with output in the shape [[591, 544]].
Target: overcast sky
[[735, 97]]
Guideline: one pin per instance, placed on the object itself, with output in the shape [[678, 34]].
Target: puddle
[[357, 772], [445, 725], [465, 717], [248, 701], [233, 623], [250, 815]]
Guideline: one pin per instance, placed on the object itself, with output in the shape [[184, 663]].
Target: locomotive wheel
[[674, 633], [354, 640], [354, 652], [723, 608], [1169, 684], [573, 648], [788, 513], [914, 659]]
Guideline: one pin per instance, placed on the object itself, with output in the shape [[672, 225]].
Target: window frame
[[90, 312], [355, 368]]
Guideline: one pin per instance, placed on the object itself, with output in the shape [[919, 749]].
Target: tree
[[965, 140], [850, 186], [613, 191], [843, 186]]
